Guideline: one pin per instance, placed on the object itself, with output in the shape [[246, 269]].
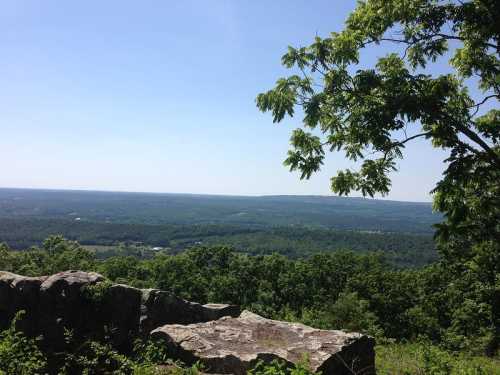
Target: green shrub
[[150, 352], [97, 292], [279, 368], [426, 359], [349, 313], [93, 357], [20, 355]]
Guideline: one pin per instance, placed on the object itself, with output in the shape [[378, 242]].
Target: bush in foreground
[[424, 358]]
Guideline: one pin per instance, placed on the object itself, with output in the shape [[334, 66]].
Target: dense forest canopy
[[340, 289], [108, 239]]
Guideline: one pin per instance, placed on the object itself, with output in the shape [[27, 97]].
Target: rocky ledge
[[235, 345], [66, 300], [216, 335]]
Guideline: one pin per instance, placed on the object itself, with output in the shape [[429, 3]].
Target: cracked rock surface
[[235, 345]]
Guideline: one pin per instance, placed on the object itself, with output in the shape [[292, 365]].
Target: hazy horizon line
[[207, 194]]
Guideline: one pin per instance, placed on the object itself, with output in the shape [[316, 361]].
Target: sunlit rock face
[[235, 345]]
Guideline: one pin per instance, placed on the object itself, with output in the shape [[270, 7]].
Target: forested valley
[[134, 224]]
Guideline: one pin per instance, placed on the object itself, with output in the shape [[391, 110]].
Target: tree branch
[[424, 38], [454, 37], [477, 105], [400, 143], [477, 139], [484, 100]]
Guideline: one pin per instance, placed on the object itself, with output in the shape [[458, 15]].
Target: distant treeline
[[140, 208], [21, 233], [404, 250]]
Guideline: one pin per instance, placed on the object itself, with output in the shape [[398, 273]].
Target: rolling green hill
[[144, 208]]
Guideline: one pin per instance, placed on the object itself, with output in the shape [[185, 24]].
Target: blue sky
[[159, 96]]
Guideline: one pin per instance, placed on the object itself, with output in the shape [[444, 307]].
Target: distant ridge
[[265, 196], [173, 208]]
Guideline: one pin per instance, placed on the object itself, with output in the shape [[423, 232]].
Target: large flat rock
[[235, 345]]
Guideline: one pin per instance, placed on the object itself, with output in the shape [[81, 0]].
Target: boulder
[[120, 312], [61, 302], [56, 305], [235, 345], [69, 281], [18, 293], [162, 307], [214, 311]]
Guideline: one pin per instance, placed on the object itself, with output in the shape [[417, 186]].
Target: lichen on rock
[[235, 345]]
